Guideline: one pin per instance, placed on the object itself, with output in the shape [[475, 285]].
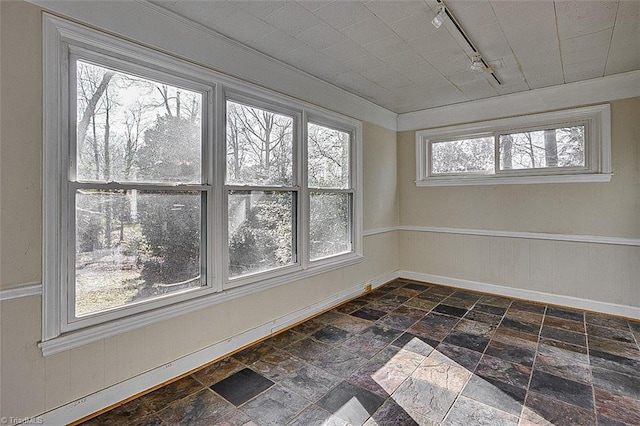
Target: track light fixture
[[477, 64], [438, 20]]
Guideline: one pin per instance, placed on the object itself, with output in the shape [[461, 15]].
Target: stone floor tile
[[422, 304], [364, 346], [563, 367], [614, 362], [489, 309], [235, 418], [338, 362], [350, 307], [508, 372], [128, 413], [309, 326], [352, 324], [275, 407], [310, 382], [389, 414], [522, 306], [483, 317], [308, 349], [465, 340], [434, 326], [316, 416], [562, 389], [369, 314], [524, 316], [329, 317], [513, 353], [617, 407], [202, 406], [466, 358], [331, 335], [284, 339], [565, 324], [522, 326], [397, 321], [606, 321], [616, 382], [351, 403], [486, 392], [558, 312], [467, 411], [165, 395], [414, 343], [450, 310], [566, 336], [557, 412], [413, 395], [253, 353], [623, 349], [492, 300], [240, 387]]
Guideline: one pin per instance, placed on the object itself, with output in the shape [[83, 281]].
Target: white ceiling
[[389, 53]]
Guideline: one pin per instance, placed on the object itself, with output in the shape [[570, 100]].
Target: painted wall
[[32, 384], [602, 272]]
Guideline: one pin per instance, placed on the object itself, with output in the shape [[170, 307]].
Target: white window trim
[[598, 149], [58, 36]]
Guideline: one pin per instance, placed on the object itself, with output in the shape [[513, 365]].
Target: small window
[[564, 146]]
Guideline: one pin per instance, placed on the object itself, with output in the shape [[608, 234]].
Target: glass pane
[[261, 233], [474, 155], [132, 129], [135, 245], [259, 146], [561, 147], [330, 224], [328, 157]]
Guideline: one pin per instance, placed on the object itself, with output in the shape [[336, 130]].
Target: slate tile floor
[[411, 353]]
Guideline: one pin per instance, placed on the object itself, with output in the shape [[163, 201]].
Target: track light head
[[438, 20], [477, 64]]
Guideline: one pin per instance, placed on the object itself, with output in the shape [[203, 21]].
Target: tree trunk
[[550, 148], [90, 110], [507, 159]]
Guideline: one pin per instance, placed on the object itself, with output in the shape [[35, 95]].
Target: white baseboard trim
[[111, 395], [377, 231], [519, 293], [25, 290]]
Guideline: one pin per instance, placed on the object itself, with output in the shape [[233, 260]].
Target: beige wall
[[32, 384], [606, 273]]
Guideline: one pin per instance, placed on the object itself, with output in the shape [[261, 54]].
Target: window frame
[[596, 120], [62, 38]]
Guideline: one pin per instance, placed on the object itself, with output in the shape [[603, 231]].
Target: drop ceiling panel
[[387, 51]]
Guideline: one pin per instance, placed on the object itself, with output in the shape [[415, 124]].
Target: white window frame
[[62, 38], [597, 122]]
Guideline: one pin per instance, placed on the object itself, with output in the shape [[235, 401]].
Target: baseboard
[[519, 293], [107, 397]]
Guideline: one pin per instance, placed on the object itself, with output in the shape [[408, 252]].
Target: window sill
[[91, 334], [515, 180]]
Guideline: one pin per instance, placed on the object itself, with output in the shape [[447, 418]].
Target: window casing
[[564, 146], [187, 203]]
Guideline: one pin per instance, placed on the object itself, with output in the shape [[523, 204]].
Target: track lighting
[[438, 20], [477, 64]]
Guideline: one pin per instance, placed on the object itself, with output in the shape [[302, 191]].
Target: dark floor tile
[[218, 371], [623, 349], [369, 314], [563, 367], [492, 300], [338, 362], [413, 393], [316, 416], [203, 406], [450, 310], [563, 350], [310, 382], [386, 334], [422, 304], [395, 284], [523, 326], [165, 395], [275, 407], [364, 346], [634, 326], [524, 316], [606, 321], [508, 372], [309, 326], [608, 421], [465, 295], [425, 295], [352, 324], [417, 286], [507, 335], [490, 309], [278, 366], [308, 349], [409, 312], [467, 411], [528, 307], [385, 306], [434, 326], [331, 335], [483, 317], [284, 339], [397, 321], [390, 413], [351, 403], [513, 353], [406, 292], [565, 324], [253, 353], [395, 298], [617, 407], [610, 333], [349, 307], [616, 382], [564, 336], [555, 311], [413, 343], [368, 376], [475, 327], [459, 303], [242, 386], [440, 290], [614, 362], [329, 317], [129, 413], [559, 413], [562, 389], [465, 340], [467, 358], [486, 392]]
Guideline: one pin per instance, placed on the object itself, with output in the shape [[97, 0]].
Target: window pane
[[328, 157], [561, 147], [259, 146], [463, 156], [135, 245], [330, 224], [261, 233], [136, 130]]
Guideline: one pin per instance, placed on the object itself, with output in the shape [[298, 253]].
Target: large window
[[169, 187], [565, 146]]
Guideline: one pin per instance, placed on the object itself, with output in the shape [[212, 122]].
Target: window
[[169, 187], [564, 146]]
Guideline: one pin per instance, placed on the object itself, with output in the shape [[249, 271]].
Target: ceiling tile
[[512, 14], [203, 13], [340, 14], [392, 11], [587, 41], [292, 19], [415, 25], [364, 63], [402, 60], [598, 52], [277, 43], [257, 8], [478, 89], [345, 50], [583, 70], [367, 31], [624, 54], [387, 47], [582, 17], [321, 36], [244, 27]]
